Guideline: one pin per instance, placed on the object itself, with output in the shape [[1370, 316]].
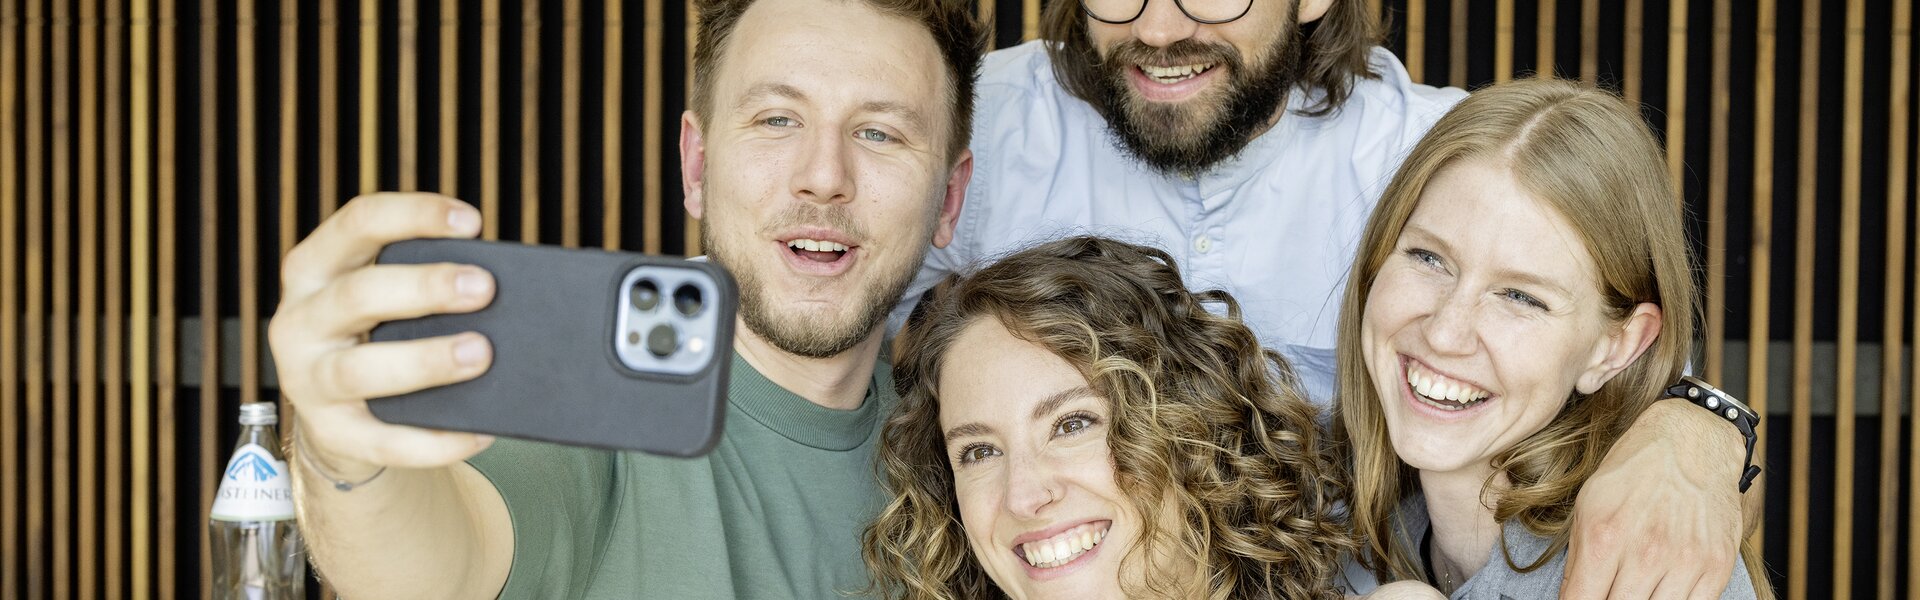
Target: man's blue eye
[[778, 121], [873, 135]]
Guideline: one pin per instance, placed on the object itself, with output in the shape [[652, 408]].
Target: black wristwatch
[[1726, 406]]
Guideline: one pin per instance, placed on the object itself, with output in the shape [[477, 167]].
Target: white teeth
[[1174, 73], [1433, 386], [817, 245], [1064, 548]]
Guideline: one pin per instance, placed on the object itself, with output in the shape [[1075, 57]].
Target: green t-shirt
[[775, 511]]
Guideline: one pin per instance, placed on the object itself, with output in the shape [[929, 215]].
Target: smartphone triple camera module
[[666, 324]]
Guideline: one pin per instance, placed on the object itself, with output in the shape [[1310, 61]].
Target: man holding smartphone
[[821, 164]]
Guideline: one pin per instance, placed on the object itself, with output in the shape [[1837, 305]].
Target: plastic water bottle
[[257, 552]]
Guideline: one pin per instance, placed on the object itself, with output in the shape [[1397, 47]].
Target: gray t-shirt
[[1499, 581]]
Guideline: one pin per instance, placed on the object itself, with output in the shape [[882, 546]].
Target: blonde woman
[[1522, 292], [1074, 423]]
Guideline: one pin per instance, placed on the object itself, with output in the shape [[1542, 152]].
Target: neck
[[839, 382], [1459, 509]]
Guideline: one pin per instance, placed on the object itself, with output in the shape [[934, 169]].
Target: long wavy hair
[[1203, 417], [1335, 55], [1586, 154]]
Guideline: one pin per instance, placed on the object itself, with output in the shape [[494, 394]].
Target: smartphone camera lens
[[686, 299], [646, 295], [662, 340]]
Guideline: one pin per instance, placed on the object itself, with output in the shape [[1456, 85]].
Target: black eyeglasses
[[1211, 12]]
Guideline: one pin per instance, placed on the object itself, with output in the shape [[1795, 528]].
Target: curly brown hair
[[1202, 417]]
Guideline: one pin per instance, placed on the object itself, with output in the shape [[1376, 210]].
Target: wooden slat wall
[[121, 118]]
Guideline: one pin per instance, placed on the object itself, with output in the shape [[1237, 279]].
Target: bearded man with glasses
[[1250, 139]]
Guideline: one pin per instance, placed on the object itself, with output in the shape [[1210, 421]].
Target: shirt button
[[1202, 244]]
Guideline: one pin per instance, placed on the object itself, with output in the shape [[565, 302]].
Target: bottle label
[[254, 488]]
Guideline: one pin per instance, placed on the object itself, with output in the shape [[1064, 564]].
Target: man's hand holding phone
[[333, 295], [432, 527]]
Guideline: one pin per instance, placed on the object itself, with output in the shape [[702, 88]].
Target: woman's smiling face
[[1026, 438], [1484, 321]]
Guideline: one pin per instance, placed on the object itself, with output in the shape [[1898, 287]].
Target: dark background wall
[[157, 156]]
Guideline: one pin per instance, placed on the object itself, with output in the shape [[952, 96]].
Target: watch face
[[1725, 398]]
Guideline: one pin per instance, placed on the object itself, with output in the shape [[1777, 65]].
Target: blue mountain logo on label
[[252, 466]]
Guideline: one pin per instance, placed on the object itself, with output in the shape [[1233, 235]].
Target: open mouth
[[1063, 548], [1174, 74], [821, 251], [1440, 391]]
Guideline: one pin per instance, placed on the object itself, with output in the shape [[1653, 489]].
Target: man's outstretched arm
[[429, 525]]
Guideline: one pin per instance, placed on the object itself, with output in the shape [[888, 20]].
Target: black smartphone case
[[555, 375]]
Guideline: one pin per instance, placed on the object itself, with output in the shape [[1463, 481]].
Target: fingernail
[[473, 284], [463, 220], [470, 352]]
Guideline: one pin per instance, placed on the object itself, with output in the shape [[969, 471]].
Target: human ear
[[1618, 351], [956, 196], [1312, 10], [693, 163]]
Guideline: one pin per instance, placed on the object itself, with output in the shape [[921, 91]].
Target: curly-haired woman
[[1074, 423]]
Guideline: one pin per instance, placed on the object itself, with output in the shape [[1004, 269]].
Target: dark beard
[[1164, 136], [809, 335]]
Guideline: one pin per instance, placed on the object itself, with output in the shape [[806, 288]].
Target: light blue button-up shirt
[[1276, 226]]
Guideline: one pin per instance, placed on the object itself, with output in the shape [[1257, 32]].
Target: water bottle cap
[[259, 413]]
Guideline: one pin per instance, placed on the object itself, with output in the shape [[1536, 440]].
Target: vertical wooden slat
[[1417, 40], [570, 125], [1544, 31], [1635, 36], [1457, 46], [332, 42], [490, 120], [10, 375], [210, 235], [1801, 487], [1676, 130], [407, 87], [530, 121], [1590, 42], [1714, 338], [652, 124], [449, 179], [1844, 416], [156, 254], [115, 201], [1503, 41], [369, 96], [140, 191], [1760, 308], [1030, 20], [610, 143], [35, 363], [60, 373], [1892, 309], [247, 142], [87, 374], [289, 110]]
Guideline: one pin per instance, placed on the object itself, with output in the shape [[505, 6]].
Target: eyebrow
[[763, 90], [1040, 411], [1503, 274]]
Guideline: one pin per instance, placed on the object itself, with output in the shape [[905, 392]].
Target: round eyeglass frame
[[1178, 3]]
